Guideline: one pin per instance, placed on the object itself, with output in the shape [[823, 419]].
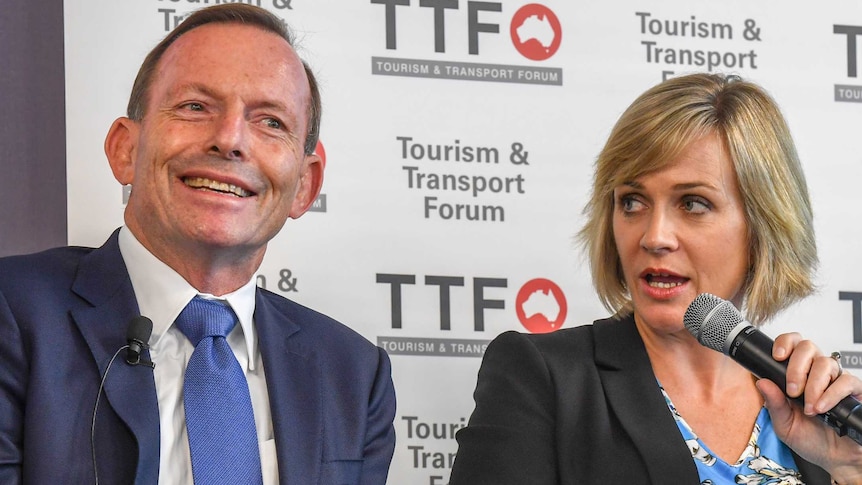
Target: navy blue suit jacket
[[64, 313]]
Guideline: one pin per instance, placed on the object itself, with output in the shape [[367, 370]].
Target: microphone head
[[711, 320], [139, 331]]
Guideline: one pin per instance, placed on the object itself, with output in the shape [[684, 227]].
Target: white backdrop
[[385, 252]]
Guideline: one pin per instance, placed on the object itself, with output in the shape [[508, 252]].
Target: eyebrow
[[209, 92], [680, 186], [200, 88]]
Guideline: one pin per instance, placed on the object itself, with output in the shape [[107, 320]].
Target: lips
[[222, 187]]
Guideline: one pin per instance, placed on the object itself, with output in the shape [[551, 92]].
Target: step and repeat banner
[[459, 138]]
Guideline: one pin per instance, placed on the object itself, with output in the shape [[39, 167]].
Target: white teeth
[[202, 183], [659, 284]]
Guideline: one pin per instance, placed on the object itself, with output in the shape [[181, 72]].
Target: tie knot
[[205, 318]]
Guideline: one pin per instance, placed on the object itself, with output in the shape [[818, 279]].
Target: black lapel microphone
[[137, 338], [717, 324]]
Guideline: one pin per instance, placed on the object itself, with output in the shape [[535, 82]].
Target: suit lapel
[[633, 393], [130, 390], [292, 380]]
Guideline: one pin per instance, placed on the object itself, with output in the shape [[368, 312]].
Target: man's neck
[[213, 270]]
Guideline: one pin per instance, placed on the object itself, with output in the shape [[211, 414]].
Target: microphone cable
[[137, 335], [96, 408]]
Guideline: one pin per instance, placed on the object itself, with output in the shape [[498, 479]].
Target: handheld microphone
[[137, 337], [717, 324]]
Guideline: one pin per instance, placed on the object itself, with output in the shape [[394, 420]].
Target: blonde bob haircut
[[656, 128]]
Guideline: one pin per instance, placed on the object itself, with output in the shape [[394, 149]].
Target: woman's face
[[681, 231]]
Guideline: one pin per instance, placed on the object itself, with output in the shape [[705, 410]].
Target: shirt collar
[[162, 293]]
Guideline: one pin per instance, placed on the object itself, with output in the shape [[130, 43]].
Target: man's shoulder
[[48, 255], [51, 264], [312, 322]]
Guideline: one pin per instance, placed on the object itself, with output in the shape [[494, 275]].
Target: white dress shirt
[[162, 294]]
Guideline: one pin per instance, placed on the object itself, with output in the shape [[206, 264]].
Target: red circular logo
[[541, 306], [536, 32], [320, 152]]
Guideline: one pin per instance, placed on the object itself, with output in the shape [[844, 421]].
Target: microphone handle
[[753, 349]]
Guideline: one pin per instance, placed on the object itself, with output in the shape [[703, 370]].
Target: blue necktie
[[219, 417]]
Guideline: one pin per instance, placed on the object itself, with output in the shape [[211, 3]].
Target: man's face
[[217, 162]]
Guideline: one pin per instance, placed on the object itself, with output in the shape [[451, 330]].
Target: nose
[[659, 234], [230, 136]]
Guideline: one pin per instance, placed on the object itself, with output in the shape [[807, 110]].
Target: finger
[[845, 385], [799, 365], [839, 369], [784, 345], [777, 404], [824, 370]]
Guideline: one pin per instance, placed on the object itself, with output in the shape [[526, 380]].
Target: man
[[218, 148]]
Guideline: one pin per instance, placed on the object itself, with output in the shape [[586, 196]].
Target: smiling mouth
[[221, 187], [664, 281]]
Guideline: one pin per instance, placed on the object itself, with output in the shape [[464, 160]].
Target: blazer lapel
[[130, 390], [811, 473], [292, 380], [632, 392]]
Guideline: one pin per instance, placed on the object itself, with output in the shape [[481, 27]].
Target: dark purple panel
[[32, 126]]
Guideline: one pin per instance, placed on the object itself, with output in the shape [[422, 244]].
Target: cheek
[[155, 144], [738, 240], [625, 236], [146, 166], [284, 177], [730, 255], [284, 171], [742, 253], [623, 242]]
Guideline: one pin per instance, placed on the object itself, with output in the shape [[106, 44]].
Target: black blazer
[[577, 406]]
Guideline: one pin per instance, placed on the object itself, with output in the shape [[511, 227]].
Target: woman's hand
[[820, 378]]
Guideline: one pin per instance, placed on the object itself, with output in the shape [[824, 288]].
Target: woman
[[698, 189]]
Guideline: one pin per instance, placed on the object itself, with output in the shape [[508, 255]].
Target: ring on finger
[[836, 356]]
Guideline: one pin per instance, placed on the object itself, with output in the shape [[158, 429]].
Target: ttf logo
[[320, 151], [536, 32], [849, 93], [540, 304], [856, 298], [534, 29], [319, 204], [852, 32]]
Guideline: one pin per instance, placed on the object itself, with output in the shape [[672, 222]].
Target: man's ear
[[310, 183], [120, 144]]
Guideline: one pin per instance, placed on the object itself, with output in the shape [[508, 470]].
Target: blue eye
[[273, 123], [696, 205], [630, 203]]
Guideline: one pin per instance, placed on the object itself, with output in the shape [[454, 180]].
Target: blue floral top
[[765, 461]]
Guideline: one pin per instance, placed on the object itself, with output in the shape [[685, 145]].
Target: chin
[[670, 318]]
